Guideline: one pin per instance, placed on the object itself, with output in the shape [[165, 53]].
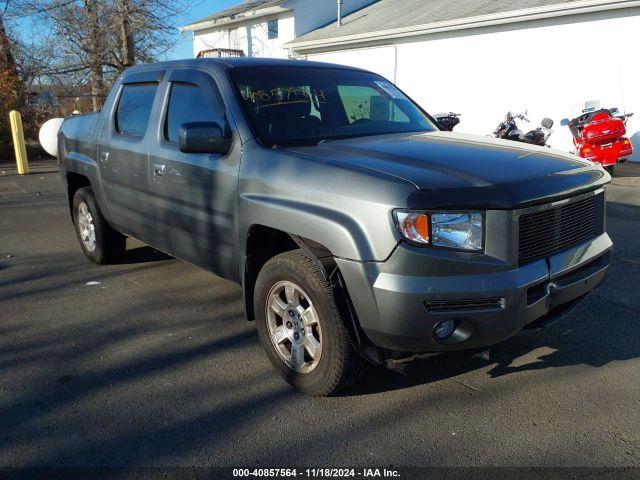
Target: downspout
[[249, 41], [395, 64]]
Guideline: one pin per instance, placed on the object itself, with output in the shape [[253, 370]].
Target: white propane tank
[[48, 135]]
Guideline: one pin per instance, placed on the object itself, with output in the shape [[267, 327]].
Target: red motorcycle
[[599, 136]]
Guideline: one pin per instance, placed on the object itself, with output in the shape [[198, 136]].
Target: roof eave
[[230, 20], [549, 11]]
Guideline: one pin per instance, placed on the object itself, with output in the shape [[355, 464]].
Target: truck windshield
[[307, 105]]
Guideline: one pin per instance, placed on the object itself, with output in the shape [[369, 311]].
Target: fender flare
[[87, 167], [341, 234]]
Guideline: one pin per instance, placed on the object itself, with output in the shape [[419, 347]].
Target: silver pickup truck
[[360, 232]]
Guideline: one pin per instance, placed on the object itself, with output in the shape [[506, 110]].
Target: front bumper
[[488, 303]]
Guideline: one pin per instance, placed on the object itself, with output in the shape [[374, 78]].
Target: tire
[[100, 243], [307, 304], [610, 169]]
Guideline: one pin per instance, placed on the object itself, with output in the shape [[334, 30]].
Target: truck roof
[[227, 63]]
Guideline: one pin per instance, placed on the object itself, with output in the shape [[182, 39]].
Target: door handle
[[104, 157], [158, 169]]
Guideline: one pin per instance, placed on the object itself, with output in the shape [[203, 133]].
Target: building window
[[272, 26]]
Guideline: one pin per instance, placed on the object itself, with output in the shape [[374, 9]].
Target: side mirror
[[202, 137], [547, 123], [564, 122]]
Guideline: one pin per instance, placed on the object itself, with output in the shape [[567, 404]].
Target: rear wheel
[[100, 243], [301, 328]]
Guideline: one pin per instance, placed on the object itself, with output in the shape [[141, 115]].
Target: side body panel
[[193, 195], [123, 163]]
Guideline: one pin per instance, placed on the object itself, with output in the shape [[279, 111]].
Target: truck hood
[[458, 170]]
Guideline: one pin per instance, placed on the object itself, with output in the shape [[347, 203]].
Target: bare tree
[[145, 30], [11, 91], [94, 48], [126, 33], [96, 39], [7, 59]]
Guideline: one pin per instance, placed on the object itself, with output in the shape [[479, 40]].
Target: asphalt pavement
[[150, 363]]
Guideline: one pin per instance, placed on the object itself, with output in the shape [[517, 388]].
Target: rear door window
[[134, 108]]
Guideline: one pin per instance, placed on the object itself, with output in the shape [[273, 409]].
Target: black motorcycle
[[447, 120], [508, 130]]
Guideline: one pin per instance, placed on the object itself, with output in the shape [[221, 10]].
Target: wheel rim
[[294, 326], [86, 227]]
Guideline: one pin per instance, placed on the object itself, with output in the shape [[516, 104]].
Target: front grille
[[550, 231], [464, 304]]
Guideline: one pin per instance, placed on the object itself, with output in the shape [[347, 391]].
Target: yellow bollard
[[18, 142]]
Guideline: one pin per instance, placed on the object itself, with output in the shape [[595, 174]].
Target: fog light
[[443, 330]]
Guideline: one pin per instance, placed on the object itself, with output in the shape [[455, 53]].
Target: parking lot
[[150, 363]]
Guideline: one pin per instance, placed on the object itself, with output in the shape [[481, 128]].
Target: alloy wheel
[[86, 228], [294, 326]]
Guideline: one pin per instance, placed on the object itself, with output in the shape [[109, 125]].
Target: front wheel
[[301, 328]]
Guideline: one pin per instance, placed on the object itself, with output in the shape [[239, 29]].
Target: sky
[[199, 9]]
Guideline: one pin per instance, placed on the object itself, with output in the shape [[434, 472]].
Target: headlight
[[451, 230], [461, 230]]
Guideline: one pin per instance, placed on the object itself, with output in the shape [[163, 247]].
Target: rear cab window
[[134, 108]]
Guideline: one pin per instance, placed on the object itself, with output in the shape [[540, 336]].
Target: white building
[[260, 28], [483, 58]]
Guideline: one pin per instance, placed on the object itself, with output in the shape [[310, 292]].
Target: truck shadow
[[143, 254]]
